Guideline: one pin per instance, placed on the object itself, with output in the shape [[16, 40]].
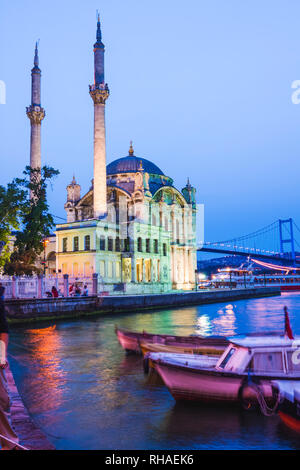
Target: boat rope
[[254, 385], [16, 444], [265, 409]]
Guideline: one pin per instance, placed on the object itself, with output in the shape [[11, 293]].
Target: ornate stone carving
[[36, 114], [99, 93]]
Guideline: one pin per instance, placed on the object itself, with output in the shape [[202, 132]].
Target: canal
[[85, 393]]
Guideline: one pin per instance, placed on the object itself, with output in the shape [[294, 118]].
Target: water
[[83, 391]]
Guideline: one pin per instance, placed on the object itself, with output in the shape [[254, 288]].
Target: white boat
[[289, 403], [250, 277], [247, 360]]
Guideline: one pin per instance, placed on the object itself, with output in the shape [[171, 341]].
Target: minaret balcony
[[99, 92], [35, 113]]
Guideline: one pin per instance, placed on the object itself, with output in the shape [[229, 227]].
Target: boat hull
[[208, 385], [131, 341], [293, 422], [289, 288], [289, 412]]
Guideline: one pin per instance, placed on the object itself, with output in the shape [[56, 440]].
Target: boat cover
[[290, 389]]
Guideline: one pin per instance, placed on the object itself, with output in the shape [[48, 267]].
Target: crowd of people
[[74, 291]]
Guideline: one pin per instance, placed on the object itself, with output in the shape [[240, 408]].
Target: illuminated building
[[133, 226]]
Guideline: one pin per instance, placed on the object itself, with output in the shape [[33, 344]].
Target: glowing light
[[274, 266], [201, 276]]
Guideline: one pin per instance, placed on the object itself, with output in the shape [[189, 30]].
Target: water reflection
[[83, 389], [203, 325], [225, 323]]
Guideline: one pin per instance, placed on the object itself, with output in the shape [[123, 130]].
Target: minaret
[[99, 93], [35, 113]]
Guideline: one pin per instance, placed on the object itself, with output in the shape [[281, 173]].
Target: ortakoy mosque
[[133, 227]]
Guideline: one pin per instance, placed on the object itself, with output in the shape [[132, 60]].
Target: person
[[85, 291], [6, 429], [77, 290], [54, 292], [71, 290]]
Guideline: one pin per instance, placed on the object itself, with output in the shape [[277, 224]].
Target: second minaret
[[99, 92], [36, 114]]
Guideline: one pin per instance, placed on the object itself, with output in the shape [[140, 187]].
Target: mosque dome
[[132, 164]]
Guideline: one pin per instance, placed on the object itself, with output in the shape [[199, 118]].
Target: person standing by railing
[[6, 429]]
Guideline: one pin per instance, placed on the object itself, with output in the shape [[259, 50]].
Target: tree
[[12, 205], [36, 222]]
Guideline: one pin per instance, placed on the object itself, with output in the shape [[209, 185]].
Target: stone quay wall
[[30, 310]]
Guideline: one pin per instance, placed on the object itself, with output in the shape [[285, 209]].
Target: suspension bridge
[[274, 242]]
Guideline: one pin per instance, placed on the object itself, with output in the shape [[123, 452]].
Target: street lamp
[[45, 243]]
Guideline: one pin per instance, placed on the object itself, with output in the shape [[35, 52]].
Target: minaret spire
[[99, 35], [35, 113], [99, 92], [36, 55]]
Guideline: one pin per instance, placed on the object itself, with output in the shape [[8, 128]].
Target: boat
[[289, 403], [209, 347], [150, 359], [252, 277], [243, 374], [205, 361], [286, 282], [131, 341]]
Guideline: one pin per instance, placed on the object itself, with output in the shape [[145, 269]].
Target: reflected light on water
[[43, 345], [225, 323], [77, 381], [203, 326]]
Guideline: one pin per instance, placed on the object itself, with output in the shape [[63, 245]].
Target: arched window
[[87, 242], [110, 244], [65, 244], [140, 244], [102, 243], [177, 231], [75, 243]]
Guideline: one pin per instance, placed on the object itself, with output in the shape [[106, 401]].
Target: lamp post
[[196, 280], [45, 243]]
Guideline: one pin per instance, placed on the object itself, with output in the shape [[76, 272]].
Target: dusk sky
[[203, 88]]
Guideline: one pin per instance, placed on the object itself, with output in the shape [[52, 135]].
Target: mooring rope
[[265, 409], [16, 444]]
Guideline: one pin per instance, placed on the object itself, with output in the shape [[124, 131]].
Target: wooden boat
[[131, 341], [289, 404], [206, 348], [151, 358], [245, 369]]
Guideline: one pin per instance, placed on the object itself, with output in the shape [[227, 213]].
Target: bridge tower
[[290, 240]]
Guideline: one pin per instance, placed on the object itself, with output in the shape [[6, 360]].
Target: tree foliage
[[12, 206], [35, 220]]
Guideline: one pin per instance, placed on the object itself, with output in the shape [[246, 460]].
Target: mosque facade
[[133, 227]]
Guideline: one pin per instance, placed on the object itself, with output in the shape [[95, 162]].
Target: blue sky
[[203, 88]]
